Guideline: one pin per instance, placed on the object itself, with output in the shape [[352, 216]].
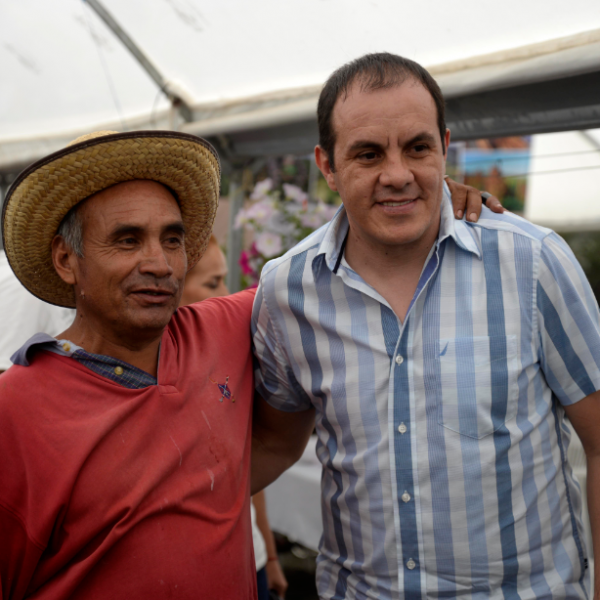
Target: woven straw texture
[[46, 191]]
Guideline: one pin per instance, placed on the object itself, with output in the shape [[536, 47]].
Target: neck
[[141, 352], [365, 256], [393, 271]]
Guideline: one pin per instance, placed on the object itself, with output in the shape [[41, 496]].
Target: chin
[[400, 237], [156, 318]]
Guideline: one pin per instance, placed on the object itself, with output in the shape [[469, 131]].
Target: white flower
[[261, 211], [268, 244], [240, 219], [293, 192], [312, 220], [261, 189], [327, 211]]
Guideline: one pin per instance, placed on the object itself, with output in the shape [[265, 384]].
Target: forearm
[[268, 463], [278, 440], [262, 522], [593, 498]]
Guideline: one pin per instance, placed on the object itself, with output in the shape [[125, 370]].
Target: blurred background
[[521, 79]]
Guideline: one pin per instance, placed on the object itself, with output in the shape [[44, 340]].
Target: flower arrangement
[[278, 220]]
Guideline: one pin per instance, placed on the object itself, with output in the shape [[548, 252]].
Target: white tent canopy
[[252, 71]]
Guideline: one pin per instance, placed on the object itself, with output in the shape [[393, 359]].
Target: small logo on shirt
[[224, 389]]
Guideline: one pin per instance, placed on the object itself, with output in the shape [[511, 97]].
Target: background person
[[23, 315], [207, 280]]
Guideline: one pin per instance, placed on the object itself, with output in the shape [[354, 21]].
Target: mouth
[[152, 296], [394, 203], [397, 207]]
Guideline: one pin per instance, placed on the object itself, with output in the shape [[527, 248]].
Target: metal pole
[[313, 177], [234, 238], [137, 53]]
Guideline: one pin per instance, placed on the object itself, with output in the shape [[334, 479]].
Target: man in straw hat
[[125, 440]]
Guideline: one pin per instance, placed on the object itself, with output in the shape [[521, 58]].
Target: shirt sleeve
[[569, 324], [274, 377]]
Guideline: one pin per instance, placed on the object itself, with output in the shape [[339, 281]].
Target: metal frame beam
[[143, 60]]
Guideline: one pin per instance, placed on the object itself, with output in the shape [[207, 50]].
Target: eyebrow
[[423, 136], [363, 144], [119, 230]]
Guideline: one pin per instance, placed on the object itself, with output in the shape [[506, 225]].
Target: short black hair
[[375, 72]]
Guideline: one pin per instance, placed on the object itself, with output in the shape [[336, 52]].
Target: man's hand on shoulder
[[468, 200]]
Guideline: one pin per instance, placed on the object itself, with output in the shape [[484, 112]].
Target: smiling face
[[131, 277], [389, 165]]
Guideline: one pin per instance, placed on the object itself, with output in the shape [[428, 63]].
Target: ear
[[446, 143], [64, 260], [322, 160]]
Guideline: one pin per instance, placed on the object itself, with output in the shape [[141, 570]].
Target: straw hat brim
[[43, 193]]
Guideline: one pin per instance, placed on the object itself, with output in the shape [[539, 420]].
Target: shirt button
[[410, 564], [405, 497], [66, 347], [399, 359], [402, 428], [118, 370]]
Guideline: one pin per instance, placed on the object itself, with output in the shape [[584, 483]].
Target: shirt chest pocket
[[478, 391]]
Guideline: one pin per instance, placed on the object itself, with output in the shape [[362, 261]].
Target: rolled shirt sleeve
[[274, 377], [569, 324]]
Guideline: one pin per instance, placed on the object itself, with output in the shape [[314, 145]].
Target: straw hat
[[43, 193]]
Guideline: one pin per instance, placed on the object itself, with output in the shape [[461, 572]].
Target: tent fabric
[[65, 72]]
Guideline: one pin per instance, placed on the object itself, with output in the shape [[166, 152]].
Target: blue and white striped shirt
[[442, 439]]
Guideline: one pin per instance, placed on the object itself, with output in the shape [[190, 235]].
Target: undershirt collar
[[109, 367]]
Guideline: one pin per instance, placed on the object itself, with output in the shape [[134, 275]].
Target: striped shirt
[[442, 438]]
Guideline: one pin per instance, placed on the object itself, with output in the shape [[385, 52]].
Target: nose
[[155, 261], [396, 173]]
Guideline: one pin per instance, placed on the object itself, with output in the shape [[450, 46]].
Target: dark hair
[[375, 72]]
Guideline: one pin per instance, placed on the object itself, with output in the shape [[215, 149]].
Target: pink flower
[[245, 264]]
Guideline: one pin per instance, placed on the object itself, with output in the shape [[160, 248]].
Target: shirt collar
[[40, 341], [332, 244], [107, 366]]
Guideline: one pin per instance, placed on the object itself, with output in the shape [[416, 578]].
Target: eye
[[368, 156], [420, 148], [213, 284], [174, 240], [128, 241]]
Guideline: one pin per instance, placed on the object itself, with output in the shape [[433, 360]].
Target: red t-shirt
[[108, 492]]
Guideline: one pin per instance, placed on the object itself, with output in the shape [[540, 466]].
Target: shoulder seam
[[277, 262], [515, 231]]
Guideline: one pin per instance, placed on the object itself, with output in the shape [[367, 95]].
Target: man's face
[[389, 164], [131, 277]]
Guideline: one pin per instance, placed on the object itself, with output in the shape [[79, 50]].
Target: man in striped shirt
[[440, 358]]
